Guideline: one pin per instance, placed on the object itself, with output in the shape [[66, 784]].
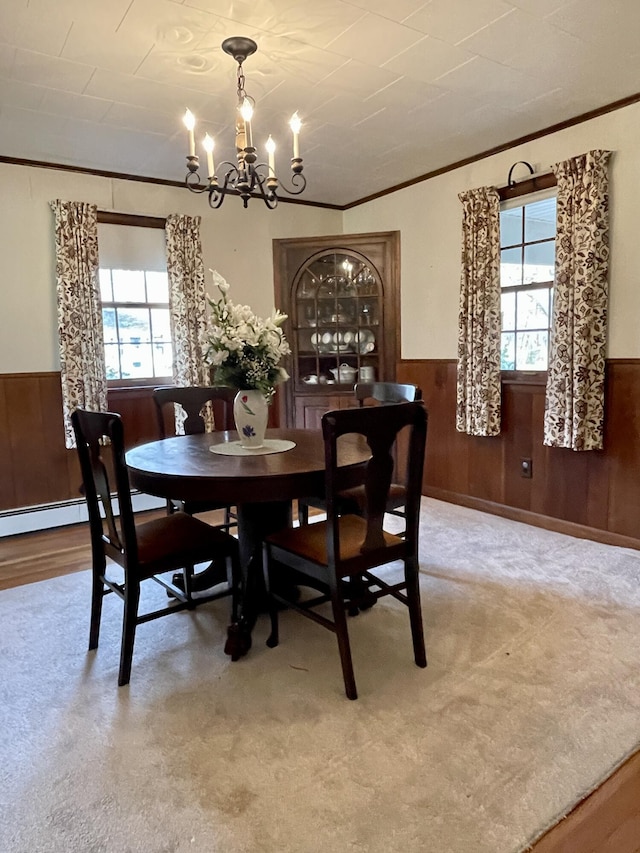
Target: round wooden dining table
[[262, 488]]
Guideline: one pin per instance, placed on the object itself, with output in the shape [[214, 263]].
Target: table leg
[[255, 521]]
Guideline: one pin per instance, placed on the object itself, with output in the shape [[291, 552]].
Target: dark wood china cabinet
[[341, 295]]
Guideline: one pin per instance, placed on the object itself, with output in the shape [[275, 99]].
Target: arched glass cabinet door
[[338, 318]]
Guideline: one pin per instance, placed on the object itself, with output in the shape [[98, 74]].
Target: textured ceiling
[[388, 90]]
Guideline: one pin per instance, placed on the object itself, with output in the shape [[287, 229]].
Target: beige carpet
[[530, 699]]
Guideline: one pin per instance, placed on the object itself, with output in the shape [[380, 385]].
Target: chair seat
[[310, 541], [175, 540]]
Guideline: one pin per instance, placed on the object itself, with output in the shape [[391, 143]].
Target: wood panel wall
[[35, 466], [594, 493]]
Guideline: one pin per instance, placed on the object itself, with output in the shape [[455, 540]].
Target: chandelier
[[245, 177]]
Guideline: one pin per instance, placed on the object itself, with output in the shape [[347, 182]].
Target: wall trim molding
[[30, 519], [498, 149], [451, 167], [557, 525], [141, 179]]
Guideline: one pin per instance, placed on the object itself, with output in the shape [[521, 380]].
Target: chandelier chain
[[241, 92]]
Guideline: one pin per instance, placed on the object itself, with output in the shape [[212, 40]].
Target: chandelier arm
[[299, 183], [268, 196], [192, 182], [217, 193]]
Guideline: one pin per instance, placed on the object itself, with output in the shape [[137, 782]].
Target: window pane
[[533, 309], [160, 325], [508, 351], [539, 262], [510, 267], [133, 325], [163, 359], [157, 287], [104, 277], [136, 361], [128, 286], [511, 226], [112, 360], [109, 329], [540, 220], [508, 310], [531, 351]]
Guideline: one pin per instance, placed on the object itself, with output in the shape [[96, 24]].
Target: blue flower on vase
[[248, 431]]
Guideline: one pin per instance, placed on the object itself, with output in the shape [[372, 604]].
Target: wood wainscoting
[[35, 467], [593, 494]]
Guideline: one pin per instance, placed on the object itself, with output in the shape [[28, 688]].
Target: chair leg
[[303, 513], [342, 635], [274, 637], [415, 612], [97, 595], [187, 577], [131, 601], [234, 579]]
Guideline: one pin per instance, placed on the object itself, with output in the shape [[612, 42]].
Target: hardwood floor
[[608, 821]]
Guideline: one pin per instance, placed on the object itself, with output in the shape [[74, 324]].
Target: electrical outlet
[[526, 468]]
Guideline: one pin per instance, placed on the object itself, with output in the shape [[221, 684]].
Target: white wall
[[235, 241], [429, 217]]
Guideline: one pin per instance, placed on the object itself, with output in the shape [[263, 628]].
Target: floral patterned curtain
[[187, 304], [82, 362], [574, 404], [478, 391]]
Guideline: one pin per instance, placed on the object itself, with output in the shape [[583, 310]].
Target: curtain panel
[[574, 404], [82, 360], [479, 320], [187, 305]]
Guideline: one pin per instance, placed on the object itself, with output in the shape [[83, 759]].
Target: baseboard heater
[[29, 519]]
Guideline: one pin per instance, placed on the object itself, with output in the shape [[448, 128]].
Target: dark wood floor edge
[[631, 755], [557, 525]]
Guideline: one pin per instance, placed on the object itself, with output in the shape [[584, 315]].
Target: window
[[136, 324], [527, 263], [134, 290]]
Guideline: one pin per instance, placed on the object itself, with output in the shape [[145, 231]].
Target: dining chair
[[144, 551], [381, 394], [193, 400], [336, 557]]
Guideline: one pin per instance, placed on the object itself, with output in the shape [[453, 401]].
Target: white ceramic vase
[[250, 412]]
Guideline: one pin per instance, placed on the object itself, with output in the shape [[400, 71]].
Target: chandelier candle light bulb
[[246, 111], [295, 124], [190, 122], [271, 151], [208, 145], [244, 177]]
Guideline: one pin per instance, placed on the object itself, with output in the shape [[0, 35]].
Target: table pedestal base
[[255, 522]]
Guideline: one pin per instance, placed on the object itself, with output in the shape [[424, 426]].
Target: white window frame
[[156, 378], [524, 200], [133, 221]]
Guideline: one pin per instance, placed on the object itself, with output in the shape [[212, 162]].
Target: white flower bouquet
[[244, 350]]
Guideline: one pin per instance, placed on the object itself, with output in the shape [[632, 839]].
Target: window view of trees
[[137, 329], [527, 262]]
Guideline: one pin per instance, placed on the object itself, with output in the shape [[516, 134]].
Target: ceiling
[[388, 90]]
